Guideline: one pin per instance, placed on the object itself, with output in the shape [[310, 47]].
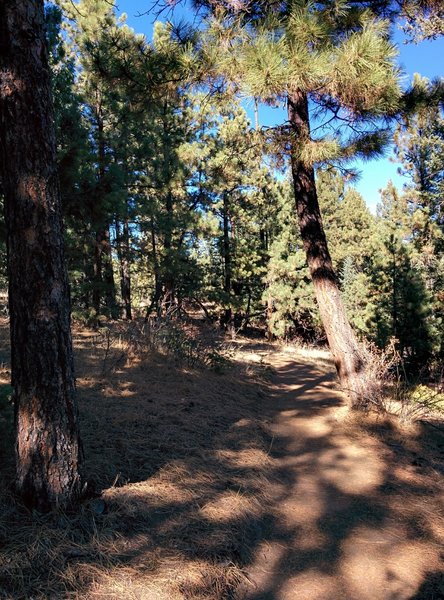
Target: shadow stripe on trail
[[349, 520]]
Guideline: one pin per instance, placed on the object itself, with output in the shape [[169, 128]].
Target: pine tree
[[344, 67], [419, 147], [241, 196], [47, 435], [75, 159], [423, 19], [289, 292], [403, 303], [92, 31], [349, 228]]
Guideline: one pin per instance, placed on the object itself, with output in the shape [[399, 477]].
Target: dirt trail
[[356, 514], [227, 485]]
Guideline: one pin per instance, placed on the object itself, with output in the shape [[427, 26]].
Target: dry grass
[[182, 461], [195, 471]]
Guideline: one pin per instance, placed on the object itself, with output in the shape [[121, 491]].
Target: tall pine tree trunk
[[168, 267], [123, 255], [157, 276], [104, 274], [97, 287], [168, 274], [227, 319], [104, 285], [47, 435], [108, 275], [342, 341]]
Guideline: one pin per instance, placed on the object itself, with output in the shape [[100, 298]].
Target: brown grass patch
[[181, 459], [220, 485]]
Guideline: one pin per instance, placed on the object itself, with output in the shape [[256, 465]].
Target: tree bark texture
[[103, 267], [347, 354], [123, 252], [157, 275], [227, 317], [47, 435]]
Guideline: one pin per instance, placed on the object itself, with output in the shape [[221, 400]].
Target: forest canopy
[[172, 197]]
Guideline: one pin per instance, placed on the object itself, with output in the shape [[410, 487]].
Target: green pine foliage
[[403, 309], [343, 59], [288, 291], [419, 148], [172, 199]]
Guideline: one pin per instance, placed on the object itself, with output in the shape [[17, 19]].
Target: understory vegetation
[[170, 445]]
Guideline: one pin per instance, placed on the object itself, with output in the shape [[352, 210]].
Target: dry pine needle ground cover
[[182, 459], [227, 483]]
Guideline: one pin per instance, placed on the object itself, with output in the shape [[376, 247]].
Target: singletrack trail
[[356, 504], [242, 483]]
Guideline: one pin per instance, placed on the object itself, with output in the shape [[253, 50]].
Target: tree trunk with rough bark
[[47, 435], [108, 274], [347, 354], [103, 259], [227, 317], [123, 252], [104, 285]]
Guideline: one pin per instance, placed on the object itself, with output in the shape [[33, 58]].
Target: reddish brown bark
[[344, 346], [47, 436]]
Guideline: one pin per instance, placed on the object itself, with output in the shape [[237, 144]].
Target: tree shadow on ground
[[359, 513], [226, 486]]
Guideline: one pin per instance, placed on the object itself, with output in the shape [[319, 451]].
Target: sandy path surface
[[356, 511]]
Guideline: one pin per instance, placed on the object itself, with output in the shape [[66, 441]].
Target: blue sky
[[426, 58]]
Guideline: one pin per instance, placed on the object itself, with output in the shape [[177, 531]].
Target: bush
[[180, 340]]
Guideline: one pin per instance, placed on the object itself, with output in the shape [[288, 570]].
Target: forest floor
[[251, 481]]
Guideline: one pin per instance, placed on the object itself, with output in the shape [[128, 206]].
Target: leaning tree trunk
[[47, 436], [344, 346]]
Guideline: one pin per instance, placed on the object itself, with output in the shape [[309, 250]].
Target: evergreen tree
[[419, 147], [403, 304], [423, 19], [347, 220], [342, 61], [241, 196], [75, 161], [349, 227], [289, 292], [96, 36], [47, 435]]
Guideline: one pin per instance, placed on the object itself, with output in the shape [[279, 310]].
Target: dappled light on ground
[[252, 484], [347, 524]]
